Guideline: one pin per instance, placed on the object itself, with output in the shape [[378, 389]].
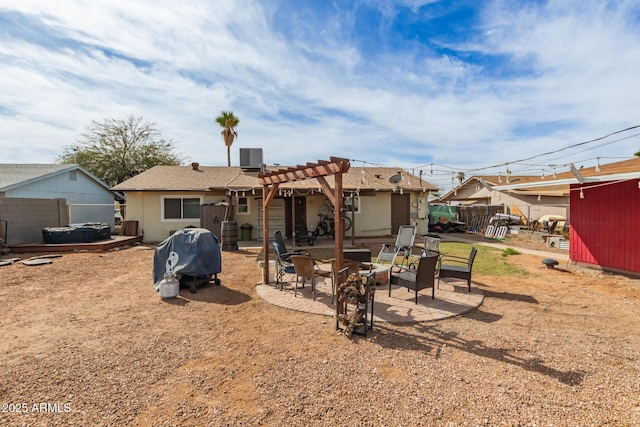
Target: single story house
[[34, 196], [166, 198], [604, 213], [532, 205]]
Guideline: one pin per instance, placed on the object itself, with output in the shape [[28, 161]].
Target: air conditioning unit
[[553, 241], [251, 158]]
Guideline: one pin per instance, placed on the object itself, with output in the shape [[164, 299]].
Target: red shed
[[605, 225]]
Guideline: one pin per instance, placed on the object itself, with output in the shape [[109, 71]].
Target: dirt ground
[[86, 340]]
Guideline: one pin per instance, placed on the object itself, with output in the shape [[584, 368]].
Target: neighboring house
[[532, 204], [604, 213], [34, 196], [166, 198]]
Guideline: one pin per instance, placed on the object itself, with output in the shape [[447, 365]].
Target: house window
[[352, 204], [243, 205], [178, 208]]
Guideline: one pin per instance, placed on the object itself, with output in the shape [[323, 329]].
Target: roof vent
[[195, 166], [251, 158]]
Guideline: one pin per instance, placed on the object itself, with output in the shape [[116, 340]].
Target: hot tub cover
[[198, 255]]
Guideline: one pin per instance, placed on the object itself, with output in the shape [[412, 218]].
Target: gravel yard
[[88, 342]]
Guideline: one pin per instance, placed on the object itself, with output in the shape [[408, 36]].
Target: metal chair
[[283, 264], [457, 267], [430, 247], [306, 268], [401, 250], [283, 247], [304, 235]]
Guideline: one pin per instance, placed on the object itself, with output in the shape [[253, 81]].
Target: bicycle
[[327, 225]]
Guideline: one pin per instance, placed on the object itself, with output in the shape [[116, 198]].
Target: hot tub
[[76, 233]]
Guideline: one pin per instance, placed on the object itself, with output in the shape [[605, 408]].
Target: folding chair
[[283, 264], [279, 239], [430, 247], [399, 254]]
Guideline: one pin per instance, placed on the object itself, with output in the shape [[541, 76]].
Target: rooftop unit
[[251, 158]]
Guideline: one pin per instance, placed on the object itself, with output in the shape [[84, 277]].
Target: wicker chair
[[422, 277], [457, 267], [306, 268]]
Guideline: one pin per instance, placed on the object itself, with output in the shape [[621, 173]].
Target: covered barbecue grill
[[198, 258]]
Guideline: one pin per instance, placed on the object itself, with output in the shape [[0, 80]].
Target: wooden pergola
[[271, 181]]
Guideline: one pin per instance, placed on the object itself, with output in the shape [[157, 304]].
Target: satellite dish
[[395, 178]]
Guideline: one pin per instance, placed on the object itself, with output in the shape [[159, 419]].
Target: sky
[[471, 86]]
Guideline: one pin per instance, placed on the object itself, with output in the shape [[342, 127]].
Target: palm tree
[[460, 177], [228, 122]]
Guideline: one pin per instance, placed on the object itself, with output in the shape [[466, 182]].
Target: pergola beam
[[272, 180]]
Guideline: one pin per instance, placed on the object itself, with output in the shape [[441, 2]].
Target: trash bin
[[245, 230]]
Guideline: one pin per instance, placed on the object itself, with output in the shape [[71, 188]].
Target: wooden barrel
[[229, 235]]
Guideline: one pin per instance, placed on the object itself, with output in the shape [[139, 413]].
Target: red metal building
[[605, 225]]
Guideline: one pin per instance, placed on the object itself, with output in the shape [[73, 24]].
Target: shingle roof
[[176, 178], [12, 175]]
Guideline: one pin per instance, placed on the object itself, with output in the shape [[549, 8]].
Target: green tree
[[228, 122], [116, 150], [460, 177]]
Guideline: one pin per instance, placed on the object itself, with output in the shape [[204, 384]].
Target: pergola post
[[267, 197], [272, 180]]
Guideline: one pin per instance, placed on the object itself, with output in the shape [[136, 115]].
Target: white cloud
[[566, 68]]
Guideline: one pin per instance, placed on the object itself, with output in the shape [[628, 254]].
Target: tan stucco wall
[[374, 218], [145, 207]]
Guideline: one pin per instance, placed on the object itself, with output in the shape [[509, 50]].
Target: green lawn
[[489, 261]]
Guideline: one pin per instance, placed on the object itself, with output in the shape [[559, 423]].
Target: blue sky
[[466, 85]]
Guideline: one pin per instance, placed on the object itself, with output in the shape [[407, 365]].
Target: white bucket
[[169, 287], [272, 271]]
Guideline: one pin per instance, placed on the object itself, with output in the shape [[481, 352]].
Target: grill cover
[[198, 255]]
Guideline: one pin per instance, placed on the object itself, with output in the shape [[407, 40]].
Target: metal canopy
[[272, 180]]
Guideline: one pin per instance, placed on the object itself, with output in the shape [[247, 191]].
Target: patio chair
[[457, 267], [283, 264], [399, 254], [422, 277], [306, 268], [304, 235], [283, 247], [430, 247]]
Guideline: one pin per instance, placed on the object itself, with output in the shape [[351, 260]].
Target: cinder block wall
[[27, 217]]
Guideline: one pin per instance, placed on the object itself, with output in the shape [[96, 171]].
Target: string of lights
[[444, 175]]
